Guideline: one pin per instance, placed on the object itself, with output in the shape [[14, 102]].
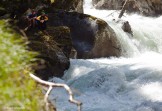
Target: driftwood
[[51, 85]]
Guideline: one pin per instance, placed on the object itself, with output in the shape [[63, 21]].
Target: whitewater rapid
[[132, 82]]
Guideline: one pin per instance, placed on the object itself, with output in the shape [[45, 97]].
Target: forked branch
[[51, 85]]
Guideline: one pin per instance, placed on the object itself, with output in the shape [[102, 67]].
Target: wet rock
[[73, 54], [105, 44], [127, 28]]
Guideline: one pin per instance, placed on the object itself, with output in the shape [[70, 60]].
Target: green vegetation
[[18, 92]]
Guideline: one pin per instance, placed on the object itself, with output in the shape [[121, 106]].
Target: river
[[132, 82]]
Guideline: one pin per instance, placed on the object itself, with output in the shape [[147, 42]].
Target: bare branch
[[50, 84], [123, 9]]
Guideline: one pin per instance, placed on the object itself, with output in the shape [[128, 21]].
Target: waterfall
[[132, 82]]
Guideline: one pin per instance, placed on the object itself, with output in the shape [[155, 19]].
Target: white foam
[[110, 84]]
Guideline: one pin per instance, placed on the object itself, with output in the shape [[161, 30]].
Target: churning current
[[132, 82]]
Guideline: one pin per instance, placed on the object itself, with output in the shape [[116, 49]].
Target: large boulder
[[91, 37], [144, 7], [106, 43]]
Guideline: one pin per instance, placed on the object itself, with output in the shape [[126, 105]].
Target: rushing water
[[132, 82]]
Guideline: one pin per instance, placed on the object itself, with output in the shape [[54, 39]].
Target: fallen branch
[[46, 98], [51, 85]]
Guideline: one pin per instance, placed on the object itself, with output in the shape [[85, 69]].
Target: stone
[[127, 28], [144, 7]]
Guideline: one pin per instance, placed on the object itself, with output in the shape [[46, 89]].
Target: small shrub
[[18, 92]]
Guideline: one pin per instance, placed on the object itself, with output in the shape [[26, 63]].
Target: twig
[[50, 84], [46, 98]]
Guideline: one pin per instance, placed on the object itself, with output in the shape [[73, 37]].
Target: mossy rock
[[55, 60], [53, 48], [61, 35]]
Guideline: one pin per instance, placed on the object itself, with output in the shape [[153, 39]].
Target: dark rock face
[[91, 37], [69, 5], [127, 28], [54, 50], [144, 7]]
